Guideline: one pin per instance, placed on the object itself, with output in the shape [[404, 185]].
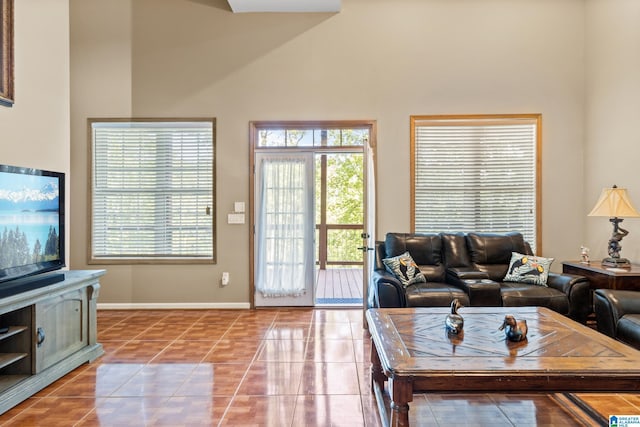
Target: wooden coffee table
[[413, 353]]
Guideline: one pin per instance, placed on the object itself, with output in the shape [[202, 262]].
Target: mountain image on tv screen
[[29, 219]]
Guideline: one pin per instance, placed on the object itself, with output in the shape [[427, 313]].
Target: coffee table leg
[[377, 374], [401, 390]]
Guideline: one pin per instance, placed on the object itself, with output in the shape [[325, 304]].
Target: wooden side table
[[600, 277], [605, 277]]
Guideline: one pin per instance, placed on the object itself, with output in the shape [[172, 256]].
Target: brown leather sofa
[[470, 267], [618, 314]]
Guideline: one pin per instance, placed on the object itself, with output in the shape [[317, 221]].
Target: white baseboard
[[174, 306]]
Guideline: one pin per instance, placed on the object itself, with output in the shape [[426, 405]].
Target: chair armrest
[[578, 292], [385, 290], [481, 290], [610, 305]]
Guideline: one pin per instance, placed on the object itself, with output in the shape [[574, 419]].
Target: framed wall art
[[6, 53]]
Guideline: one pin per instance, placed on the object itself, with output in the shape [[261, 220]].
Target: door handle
[[364, 248]]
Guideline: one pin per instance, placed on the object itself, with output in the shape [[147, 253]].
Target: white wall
[[379, 60], [35, 131], [612, 148]]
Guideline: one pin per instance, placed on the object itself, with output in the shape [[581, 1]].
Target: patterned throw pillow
[[405, 269], [528, 269]]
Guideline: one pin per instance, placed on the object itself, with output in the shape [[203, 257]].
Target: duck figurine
[[454, 322], [515, 330]]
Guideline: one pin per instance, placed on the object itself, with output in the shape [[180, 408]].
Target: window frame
[[148, 259], [534, 118]]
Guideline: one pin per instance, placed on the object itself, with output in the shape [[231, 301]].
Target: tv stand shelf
[[51, 331], [7, 359]]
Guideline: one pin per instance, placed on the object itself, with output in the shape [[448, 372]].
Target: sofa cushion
[[518, 294], [454, 249], [491, 253], [528, 269], [488, 248], [404, 268], [434, 294], [425, 249]]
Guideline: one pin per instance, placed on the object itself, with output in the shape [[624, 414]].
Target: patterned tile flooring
[[272, 367]]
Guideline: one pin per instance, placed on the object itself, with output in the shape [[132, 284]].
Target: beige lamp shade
[[614, 202]]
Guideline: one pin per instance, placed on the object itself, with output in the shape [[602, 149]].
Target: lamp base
[[616, 262]]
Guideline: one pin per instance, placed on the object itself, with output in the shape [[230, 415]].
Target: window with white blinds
[[152, 190], [476, 173]]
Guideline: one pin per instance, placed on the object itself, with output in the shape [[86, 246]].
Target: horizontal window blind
[[152, 190], [475, 175]]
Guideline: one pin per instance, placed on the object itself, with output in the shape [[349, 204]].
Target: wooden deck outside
[[339, 286]]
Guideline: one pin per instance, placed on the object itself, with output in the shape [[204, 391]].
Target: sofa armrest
[[610, 305], [481, 290], [578, 292], [386, 291], [466, 274]]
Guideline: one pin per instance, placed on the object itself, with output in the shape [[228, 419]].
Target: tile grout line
[[93, 410], [255, 355], [146, 364], [311, 325], [360, 375]]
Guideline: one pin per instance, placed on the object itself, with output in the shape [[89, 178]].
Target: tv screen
[[31, 222]]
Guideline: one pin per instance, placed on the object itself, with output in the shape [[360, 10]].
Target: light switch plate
[[238, 207], [235, 218]]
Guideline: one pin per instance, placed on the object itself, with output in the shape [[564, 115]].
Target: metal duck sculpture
[[514, 330], [454, 322]]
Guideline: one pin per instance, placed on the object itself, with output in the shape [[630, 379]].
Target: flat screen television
[[31, 222]]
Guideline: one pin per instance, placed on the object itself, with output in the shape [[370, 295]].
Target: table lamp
[[615, 203]]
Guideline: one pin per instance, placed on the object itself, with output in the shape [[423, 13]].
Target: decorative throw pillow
[[528, 269], [405, 269]]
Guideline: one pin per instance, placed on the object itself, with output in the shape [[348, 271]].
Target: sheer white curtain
[[285, 225]]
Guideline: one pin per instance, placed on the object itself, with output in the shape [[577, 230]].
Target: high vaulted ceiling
[[239, 6]]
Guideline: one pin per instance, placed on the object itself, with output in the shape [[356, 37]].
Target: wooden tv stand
[[51, 331]]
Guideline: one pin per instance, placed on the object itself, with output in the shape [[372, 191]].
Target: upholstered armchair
[[618, 314]]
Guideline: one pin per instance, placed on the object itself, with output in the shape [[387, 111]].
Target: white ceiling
[[239, 6]]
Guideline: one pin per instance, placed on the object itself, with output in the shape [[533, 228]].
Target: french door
[[284, 212], [292, 163]]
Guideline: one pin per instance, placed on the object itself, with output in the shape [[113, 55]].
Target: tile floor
[[276, 367]]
